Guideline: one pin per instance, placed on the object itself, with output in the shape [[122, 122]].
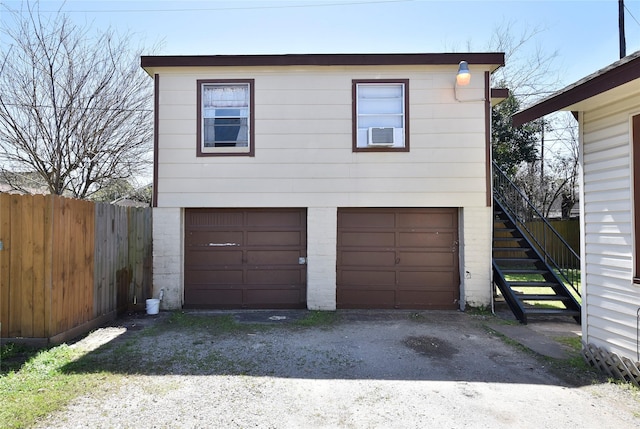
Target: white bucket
[[153, 306]]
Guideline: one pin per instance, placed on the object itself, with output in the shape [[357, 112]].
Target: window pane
[[225, 96], [380, 121], [375, 90], [380, 106], [225, 115], [225, 132]]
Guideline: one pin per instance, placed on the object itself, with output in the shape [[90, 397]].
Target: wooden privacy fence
[[569, 230], [66, 265]]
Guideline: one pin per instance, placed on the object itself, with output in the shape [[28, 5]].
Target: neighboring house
[[607, 106], [27, 182], [322, 181]]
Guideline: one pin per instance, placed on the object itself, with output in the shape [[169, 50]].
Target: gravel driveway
[[363, 370]]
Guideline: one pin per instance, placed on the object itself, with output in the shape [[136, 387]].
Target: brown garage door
[[245, 258], [398, 258]]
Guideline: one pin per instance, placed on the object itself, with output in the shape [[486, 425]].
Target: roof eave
[[610, 77], [494, 59]]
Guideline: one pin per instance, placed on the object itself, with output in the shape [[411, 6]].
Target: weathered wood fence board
[[66, 263]]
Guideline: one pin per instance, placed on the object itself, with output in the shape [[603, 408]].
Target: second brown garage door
[[398, 258], [245, 258]]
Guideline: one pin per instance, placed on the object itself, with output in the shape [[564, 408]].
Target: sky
[[583, 35]]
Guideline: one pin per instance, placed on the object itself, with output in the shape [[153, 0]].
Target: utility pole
[[541, 153], [623, 43]]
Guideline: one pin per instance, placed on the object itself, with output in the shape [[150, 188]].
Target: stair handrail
[[566, 261]]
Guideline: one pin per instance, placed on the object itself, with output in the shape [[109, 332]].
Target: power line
[[631, 15], [287, 6]]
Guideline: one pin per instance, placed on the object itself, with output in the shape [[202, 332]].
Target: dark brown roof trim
[[499, 92], [492, 58], [610, 77], [156, 131]]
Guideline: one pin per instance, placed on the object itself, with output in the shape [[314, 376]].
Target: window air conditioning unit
[[380, 136]]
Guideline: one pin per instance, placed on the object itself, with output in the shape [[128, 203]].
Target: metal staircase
[[534, 268]]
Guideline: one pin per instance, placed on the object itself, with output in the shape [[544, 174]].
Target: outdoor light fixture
[[463, 78], [464, 75]]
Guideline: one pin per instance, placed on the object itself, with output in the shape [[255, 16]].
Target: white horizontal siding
[[279, 199], [311, 185], [336, 171], [611, 299], [303, 141]]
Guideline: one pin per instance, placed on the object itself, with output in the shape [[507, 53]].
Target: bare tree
[[530, 71], [554, 188], [549, 179], [74, 106]]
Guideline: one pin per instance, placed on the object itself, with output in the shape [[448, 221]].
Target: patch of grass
[[317, 318], [41, 386], [13, 356], [574, 369], [483, 310], [213, 323]]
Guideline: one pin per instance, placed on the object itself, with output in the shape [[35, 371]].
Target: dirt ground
[[362, 370]]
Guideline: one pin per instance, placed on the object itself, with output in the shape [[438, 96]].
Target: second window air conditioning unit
[[380, 136]]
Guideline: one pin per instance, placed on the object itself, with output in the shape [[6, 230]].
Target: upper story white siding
[[303, 141]]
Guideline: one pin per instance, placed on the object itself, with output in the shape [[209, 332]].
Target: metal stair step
[[532, 284], [511, 249], [552, 312], [504, 229], [508, 238], [507, 260], [514, 271], [535, 297]]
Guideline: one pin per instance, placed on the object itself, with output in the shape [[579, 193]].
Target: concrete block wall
[[475, 256], [167, 257], [321, 251]]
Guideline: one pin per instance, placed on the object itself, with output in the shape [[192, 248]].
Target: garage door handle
[[397, 261]]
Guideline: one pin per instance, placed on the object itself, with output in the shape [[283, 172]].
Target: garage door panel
[[272, 257], [370, 220], [382, 299], [224, 298], [426, 239], [236, 257], [214, 258], [371, 259], [426, 279], [434, 219], [207, 218], [368, 278], [398, 258], [367, 239], [426, 259], [273, 277], [274, 238], [218, 277], [214, 239]]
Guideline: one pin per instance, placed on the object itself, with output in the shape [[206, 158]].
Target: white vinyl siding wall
[[611, 299], [304, 155]]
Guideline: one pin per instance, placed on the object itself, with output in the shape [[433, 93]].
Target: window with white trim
[[380, 115], [225, 118]]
